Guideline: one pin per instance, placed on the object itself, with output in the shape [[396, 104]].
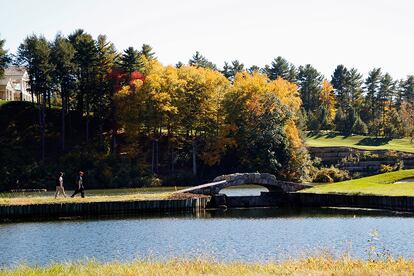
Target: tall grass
[[308, 266]]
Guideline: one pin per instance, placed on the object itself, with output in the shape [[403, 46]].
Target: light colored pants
[[60, 190]]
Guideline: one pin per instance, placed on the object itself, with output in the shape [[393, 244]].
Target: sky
[[357, 33]]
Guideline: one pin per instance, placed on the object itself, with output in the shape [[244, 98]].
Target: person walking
[[79, 188], [59, 185]]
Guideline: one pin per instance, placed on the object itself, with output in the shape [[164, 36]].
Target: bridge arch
[[266, 180]]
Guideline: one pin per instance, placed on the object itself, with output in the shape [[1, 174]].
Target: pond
[[233, 235]]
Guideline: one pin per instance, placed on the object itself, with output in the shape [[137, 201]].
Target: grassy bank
[[359, 142], [51, 200], [309, 266], [381, 184]]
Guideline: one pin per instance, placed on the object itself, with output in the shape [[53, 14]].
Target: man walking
[[79, 188], [59, 185]]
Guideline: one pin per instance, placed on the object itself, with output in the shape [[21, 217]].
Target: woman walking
[[59, 185]]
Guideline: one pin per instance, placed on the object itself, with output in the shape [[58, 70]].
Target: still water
[[240, 234]]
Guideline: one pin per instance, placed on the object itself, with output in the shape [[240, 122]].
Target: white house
[[14, 86]]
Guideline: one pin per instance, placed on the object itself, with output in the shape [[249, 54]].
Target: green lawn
[[380, 184], [359, 142]]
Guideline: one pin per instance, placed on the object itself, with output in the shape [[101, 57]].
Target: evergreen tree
[[147, 52], [198, 60], [372, 86], [3, 57], [310, 86], [348, 88], [230, 70], [35, 54], [102, 98], [130, 60], [62, 56], [385, 96], [280, 67], [253, 68], [408, 89], [86, 62]]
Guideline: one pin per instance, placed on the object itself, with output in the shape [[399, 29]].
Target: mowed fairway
[[359, 142], [381, 184]]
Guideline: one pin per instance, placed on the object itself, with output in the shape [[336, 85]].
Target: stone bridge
[[266, 180]]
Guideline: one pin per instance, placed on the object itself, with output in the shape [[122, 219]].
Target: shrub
[[332, 174], [384, 168]]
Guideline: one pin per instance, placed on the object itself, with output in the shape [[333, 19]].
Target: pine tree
[[408, 89], [280, 67], [385, 96], [372, 85], [62, 56], [35, 54], [86, 62], [198, 60], [130, 60], [3, 57], [102, 99], [230, 70], [310, 85], [147, 52]]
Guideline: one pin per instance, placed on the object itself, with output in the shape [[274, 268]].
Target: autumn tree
[[263, 115], [407, 119], [327, 109]]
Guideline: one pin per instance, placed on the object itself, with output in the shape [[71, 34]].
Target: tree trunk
[[87, 121], [194, 151], [114, 127], [42, 127], [49, 100], [153, 157], [63, 114]]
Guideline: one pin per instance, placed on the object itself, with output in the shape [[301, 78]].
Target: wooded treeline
[[124, 117]]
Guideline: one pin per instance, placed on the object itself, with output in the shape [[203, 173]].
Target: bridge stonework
[[266, 180]]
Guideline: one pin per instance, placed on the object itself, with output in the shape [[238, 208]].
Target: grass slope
[[359, 142], [381, 184], [308, 266]]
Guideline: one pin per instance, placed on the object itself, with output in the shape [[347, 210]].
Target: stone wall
[[34, 211], [335, 155]]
